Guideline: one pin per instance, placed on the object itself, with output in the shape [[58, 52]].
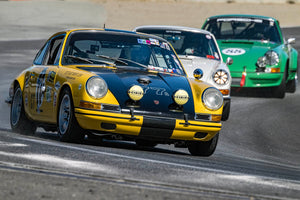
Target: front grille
[[236, 81], [110, 107], [202, 117]]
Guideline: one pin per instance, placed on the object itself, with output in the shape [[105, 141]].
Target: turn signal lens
[[225, 92], [216, 118]]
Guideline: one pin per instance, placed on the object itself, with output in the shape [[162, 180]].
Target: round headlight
[[181, 97], [96, 87], [221, 77], [136, 92], [261, 62], [212, 98], [272, 58]]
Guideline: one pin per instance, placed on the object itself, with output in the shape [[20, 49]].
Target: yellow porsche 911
[[115, 83]]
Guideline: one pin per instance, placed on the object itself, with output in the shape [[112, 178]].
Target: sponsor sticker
[[233, 51]]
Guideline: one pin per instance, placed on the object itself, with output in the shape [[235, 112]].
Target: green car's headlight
[[272, 58], [212, 98], [96, 87]]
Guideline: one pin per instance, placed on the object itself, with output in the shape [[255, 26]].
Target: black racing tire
[[67, 126], [226, 111], [279, 92], [145, 143], [203, 148], [19, 122], [291, 86]]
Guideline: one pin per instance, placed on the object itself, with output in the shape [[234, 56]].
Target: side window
[[41, 54], [53, 50]]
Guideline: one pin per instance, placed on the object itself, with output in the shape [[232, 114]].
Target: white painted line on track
[[222, 174]]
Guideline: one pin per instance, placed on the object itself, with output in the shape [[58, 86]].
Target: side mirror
[[198, 73], [229, 61], [291, 41]]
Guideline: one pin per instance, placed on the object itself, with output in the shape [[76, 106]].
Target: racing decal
[[40, 89], [141, 41], [54, 99], [233, 51], [51, 76], [158, 91], [26, 100], [154, 41], [48, 94], [57, 86], [27, 78], [239, 20]]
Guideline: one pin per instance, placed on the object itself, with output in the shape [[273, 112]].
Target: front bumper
[[157, 128], [257, 79]]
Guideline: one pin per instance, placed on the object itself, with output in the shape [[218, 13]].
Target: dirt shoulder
[[127, 14]]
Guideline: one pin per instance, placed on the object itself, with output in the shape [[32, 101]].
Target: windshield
[[120, 50], [243, 28], [189, 43]]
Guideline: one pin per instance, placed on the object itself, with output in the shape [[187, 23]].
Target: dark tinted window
[[40, 55], [243, 28], [188, 43], [118, 49]]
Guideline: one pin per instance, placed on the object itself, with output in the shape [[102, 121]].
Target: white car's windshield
[[120, 50], [243, 28], [188, 43]]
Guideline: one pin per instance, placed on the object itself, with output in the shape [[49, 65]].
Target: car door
[[42, 91]]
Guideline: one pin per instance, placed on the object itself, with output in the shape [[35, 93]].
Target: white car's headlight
[[96, 87], [212, 98], [221, 77]]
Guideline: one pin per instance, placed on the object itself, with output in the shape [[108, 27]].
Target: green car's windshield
[[120, 50], [243, 29], [188, 43]]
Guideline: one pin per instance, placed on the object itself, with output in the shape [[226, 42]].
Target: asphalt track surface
[[258, 155]]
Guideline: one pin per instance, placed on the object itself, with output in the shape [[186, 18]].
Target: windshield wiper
[[80, 59], [144, 66], [113, 59]]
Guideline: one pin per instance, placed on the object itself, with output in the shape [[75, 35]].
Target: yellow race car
[[115, 83]]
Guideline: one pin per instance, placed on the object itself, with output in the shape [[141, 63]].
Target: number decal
[[233, 51]]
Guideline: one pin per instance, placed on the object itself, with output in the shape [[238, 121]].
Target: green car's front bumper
[[257, 79]]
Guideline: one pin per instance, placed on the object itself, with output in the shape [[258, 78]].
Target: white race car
[[198, 49]]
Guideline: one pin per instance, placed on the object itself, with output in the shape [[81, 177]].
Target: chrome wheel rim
[[16, 107], [64, 114]]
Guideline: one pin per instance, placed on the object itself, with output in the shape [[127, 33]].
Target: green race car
[[261, 56]]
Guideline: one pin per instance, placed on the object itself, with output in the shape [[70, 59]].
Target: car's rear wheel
[[145, 143], [203, 148], [291, 86], [67, 125], [18, 119]]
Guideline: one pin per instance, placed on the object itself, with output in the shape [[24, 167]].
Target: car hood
[[158, 94], [208, 66], [244, 53]]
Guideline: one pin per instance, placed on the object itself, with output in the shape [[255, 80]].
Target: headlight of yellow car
[[212, 98], [96, 87]]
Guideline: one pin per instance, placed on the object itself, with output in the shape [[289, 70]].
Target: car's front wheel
[[18, 119], [203, 148], [67, 125]]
